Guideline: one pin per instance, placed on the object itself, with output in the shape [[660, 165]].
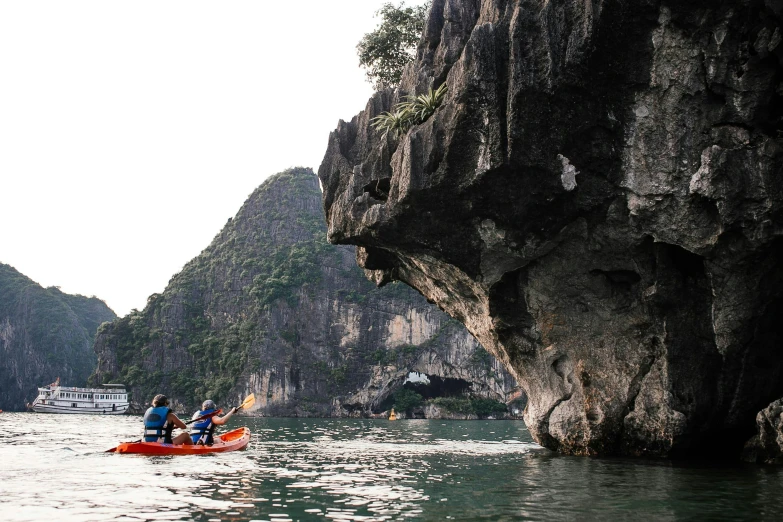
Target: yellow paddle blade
[[249, 401]]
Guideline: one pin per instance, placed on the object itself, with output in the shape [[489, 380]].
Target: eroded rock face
[[766, 447], [598, 200]]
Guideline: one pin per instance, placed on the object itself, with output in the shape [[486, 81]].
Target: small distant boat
[[392, 415], [110, 399]]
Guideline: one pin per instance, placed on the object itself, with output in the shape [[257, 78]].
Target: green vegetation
[[405, 400], [386, 51], [415, 111], [395, 123], [423, 106], [471, 406]]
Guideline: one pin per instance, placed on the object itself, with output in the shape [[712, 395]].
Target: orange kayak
[[232, 441]]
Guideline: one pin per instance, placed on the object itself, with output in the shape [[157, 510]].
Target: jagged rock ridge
[[44, 334], [598, 200], [271, 308]]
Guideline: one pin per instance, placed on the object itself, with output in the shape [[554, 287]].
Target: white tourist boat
[[109, 399]]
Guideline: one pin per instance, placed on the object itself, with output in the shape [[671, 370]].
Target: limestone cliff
[[271, 308], [766, 447], [599, 200], [44, 334]]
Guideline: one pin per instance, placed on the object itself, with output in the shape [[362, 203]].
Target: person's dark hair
[[160, 400]]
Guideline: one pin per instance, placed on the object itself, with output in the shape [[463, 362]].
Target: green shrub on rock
[[415, 111], [405, 400]]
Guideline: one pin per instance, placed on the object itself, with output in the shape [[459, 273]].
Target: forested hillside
[[44, 334]]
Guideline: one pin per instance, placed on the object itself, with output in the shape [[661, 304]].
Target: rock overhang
[[598, 200]]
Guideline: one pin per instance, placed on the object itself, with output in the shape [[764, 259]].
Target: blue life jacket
[[202, 430], [156, 426]]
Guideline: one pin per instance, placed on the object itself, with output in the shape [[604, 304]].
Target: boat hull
[[234, 440], [49, 408]]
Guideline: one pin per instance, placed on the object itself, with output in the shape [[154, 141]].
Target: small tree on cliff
[[385, 51], [405, 400]]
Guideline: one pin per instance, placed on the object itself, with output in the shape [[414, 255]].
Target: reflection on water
[[55, 468]]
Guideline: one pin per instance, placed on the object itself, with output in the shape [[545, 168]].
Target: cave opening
[[429, 387], [435, 386]]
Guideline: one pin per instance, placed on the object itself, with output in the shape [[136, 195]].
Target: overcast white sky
[[131, 131]]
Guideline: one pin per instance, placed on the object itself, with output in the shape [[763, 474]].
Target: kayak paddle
[[249, 401], [207, 416]]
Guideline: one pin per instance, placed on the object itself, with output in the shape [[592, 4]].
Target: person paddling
[[160, 421], [202, 432]]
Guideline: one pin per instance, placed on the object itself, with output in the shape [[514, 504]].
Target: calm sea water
[[54, 468]]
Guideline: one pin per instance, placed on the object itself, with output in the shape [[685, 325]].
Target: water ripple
[[330, 469]]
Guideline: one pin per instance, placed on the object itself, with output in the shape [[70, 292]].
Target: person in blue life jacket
[[160, 421], [203, 430]]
